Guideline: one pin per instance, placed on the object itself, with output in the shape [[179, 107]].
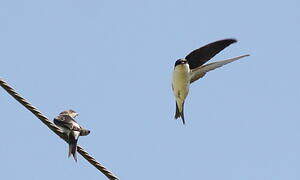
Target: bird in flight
[[191, 68], [65, 120]]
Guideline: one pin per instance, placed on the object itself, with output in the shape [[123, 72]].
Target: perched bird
[[191, 68], [66, 121]]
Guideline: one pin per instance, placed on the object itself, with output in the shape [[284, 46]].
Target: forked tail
[[73, 138], [179, 114], [72, 150]]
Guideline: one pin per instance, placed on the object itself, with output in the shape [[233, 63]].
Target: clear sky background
[[112, 62]]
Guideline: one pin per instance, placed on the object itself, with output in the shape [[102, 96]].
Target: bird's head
[[84, 132], [180, 62], [70, 112]]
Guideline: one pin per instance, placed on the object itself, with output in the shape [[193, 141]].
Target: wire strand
[[55, 129]]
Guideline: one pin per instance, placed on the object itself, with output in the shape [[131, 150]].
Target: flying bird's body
[[181, 85], [65, 120], [191, 68]]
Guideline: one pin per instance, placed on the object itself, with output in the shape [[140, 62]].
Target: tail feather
[[180, 114], [177, 114], [72, 150], [73, 138]]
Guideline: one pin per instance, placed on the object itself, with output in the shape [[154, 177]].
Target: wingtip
[[246, 55], [228, 40], [242, 56], [231, 40]]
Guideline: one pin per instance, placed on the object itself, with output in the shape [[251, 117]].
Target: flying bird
[[65, 120], [191, 68]]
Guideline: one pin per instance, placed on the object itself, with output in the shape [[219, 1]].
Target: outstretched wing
[[200, 56], [201, 71]]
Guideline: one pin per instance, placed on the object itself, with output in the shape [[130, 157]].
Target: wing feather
[[66, 121], [200, 56], [201, 71]]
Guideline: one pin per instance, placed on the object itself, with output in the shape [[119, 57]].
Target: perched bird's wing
[[73, 138], [201, 71], [200, 56], [66, 121]]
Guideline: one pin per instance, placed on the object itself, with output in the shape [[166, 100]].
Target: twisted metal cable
[[55, 129]]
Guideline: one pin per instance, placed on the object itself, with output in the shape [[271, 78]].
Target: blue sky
[[112, 61]]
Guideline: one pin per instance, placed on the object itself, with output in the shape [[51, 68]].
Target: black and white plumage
[[65, 120], [193, 67]]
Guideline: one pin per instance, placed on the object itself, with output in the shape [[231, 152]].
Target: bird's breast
[[181, 81]]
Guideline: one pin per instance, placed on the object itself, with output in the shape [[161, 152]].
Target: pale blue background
[[111, 61]]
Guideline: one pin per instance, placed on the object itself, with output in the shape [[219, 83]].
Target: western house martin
[[65, 120], [193, 67]]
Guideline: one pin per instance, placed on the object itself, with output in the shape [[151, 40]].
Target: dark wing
[[200, 56], [66, 121]]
